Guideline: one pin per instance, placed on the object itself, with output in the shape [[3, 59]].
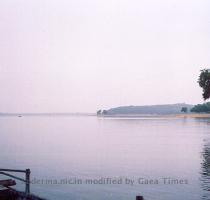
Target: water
[[81, 148]]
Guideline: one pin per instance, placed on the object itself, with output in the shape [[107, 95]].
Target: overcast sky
[[82, 55]]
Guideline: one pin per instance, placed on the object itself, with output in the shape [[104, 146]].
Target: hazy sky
[[82, 55]]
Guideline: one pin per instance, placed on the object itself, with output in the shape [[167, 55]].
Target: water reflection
[[65, 147], [205, 173]]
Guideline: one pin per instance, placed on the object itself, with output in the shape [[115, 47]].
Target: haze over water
[[81, 56], [70, 56], [81, 147]]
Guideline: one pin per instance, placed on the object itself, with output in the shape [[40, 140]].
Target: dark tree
[[184, 109], [99, 112], [201, 108], [105, 112], [204, 82]]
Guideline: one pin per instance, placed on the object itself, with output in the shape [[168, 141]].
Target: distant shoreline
[[187, 115], [168, 116]]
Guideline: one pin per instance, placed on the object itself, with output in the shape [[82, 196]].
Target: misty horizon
[[94, 112], [79, 56]]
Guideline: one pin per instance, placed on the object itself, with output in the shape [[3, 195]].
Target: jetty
[[7, 190]]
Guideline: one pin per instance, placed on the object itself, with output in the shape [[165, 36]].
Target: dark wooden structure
[[9, 193], [139, 198], [7, 183]]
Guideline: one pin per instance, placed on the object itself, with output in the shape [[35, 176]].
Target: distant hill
[[153, 109]]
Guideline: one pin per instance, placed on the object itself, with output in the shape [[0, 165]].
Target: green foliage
[[204, 82], [201, 108], [184, 109]]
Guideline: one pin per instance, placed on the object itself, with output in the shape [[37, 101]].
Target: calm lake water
[[65, 153]]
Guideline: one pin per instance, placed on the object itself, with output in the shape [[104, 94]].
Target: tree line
[[204, 83]]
